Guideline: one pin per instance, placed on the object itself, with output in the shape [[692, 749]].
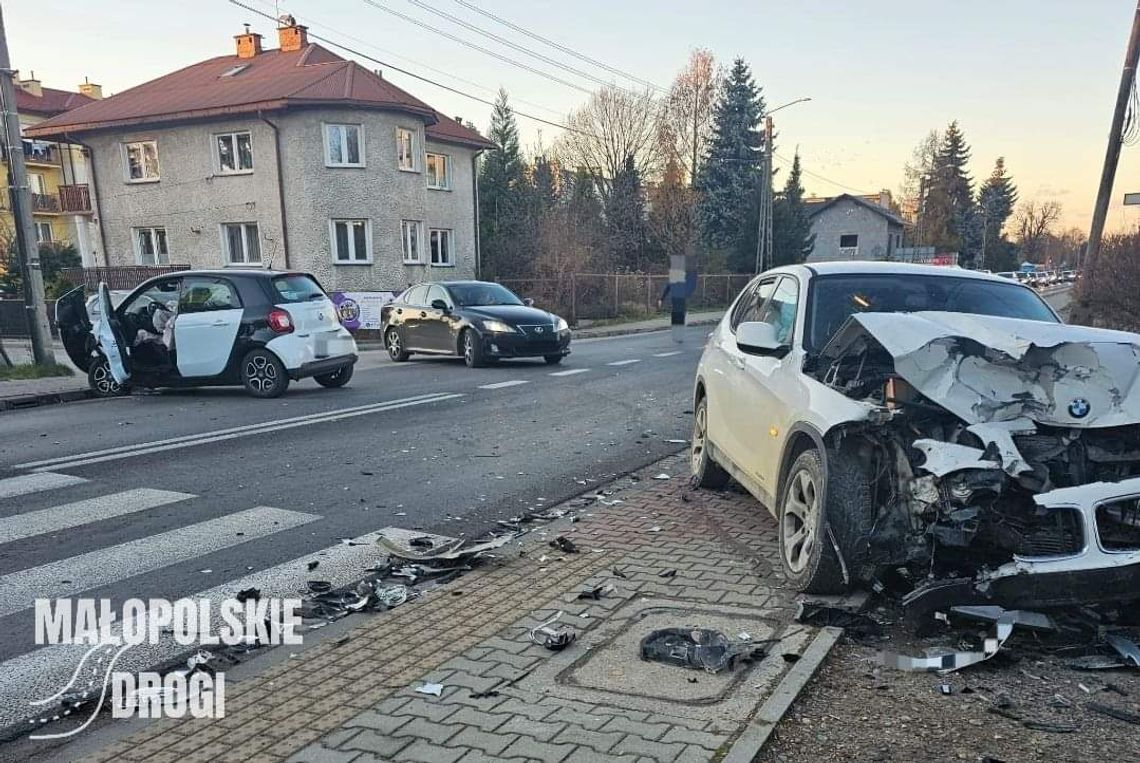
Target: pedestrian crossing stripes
[[29, 524], [71, 576], [25, 484]]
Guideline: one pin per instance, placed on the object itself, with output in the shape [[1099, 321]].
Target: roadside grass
[[22, 371]]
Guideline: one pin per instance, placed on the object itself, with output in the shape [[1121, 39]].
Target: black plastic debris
[[313, 565], [1096, 662], [248, 594], [667, 573], [319, 586], [696, 648], [618, 573], [596, 593], [1114, 712], [424, 541], [564, 544], [554, 638], [821, 615]]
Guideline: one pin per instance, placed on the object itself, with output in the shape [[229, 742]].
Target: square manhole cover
[[605, 667]]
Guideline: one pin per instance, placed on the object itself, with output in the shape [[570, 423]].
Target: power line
[[558, 46], [513, 45], [474, 46], [817, 176], [420, 77], [421, 64]]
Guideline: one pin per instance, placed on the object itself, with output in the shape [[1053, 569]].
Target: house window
[[242, 243], [235, 152], [44, 234], [848, 241], [440, 241], [344, 146], [439, 171], [150, 246], [141, 161], [351, 241], [412, 231], [406, 149], [36, 183]]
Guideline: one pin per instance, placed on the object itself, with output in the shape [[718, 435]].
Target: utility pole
[[764, 218], [1112, 154], [26, 246]]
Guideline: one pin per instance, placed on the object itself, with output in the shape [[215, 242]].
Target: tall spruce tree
[[792, 239], [728, 179], [626, 232], [996, 199], [502, 196], [949, 216]]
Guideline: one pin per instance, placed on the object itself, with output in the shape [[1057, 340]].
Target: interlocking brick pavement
[[355, 702]]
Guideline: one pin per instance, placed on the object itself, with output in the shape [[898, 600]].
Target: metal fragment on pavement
[[696, 648], [1126, 648], [553, 638], [661, 476], [435, 690]]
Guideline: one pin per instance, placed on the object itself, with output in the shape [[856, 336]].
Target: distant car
[[1070, 276], [479, 321], [257, 328], [1008, 274]]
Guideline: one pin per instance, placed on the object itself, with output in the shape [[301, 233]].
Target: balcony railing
[[75, 198], [42, 202]]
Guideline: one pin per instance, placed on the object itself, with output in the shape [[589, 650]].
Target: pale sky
[[1031, 80]]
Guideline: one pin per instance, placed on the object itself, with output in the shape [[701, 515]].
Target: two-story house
[[58, 174], [292, 158], [848, 227]]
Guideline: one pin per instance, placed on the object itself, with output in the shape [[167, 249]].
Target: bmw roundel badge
[[538, 329], [1079, 408]]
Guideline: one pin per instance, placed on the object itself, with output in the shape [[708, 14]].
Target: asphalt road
[[190, 490]]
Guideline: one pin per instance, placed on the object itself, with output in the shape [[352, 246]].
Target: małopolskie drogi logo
[[197, 691]]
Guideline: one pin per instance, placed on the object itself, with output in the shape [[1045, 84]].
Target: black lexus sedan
[[479, 321]]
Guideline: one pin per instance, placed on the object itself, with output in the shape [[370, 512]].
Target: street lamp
[[764, 224]]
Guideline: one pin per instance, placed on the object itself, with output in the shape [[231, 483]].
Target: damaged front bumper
[[1099, 571]]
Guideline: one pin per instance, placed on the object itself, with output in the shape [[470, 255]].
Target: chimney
[[91, 90], [248, 44], [31, 85], [458, 119], [291, 36]]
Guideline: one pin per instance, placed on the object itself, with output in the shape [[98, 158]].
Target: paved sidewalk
[[659, 323], [353, 701]]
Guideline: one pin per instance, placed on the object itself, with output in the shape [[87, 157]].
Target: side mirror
[[528, 302], [757, 338], [439, 304]]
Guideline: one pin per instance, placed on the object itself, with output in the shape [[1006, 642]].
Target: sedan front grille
[[539, 333]]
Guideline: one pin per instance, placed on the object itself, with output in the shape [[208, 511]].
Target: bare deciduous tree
[[1035, 221], [688, 115], [612, 125], [916, 173], [673, 224]]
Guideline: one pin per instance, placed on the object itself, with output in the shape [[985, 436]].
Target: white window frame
[[245, 262], [414, 155], [327, 127], [126, 151], [406, 226], [337, 260], [136, 236], [39, 230], [448, 235], [446, 184], [37, 183], [217, 139]]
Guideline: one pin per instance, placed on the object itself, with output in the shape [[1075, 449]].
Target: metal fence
[[14, 318], [119, 277], [606, 296]]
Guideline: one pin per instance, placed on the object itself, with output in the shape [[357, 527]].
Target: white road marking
[[174, 443], [68, 577], [41, 672], [35, 483], [624, 362], [500, 385], [57, 518], [666, 354], [570, 372]]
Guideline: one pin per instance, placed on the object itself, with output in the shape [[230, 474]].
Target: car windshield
[[297, 288], [835, 298], [482, 294]]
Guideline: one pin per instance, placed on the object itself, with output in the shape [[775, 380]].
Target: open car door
[[110, 335], [75, 329]]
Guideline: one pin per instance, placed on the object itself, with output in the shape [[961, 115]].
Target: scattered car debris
[[820, 615], [432, 689], [661, 476], [619, 573], [1126, 648], [564, 544], [554, 639], [319, 586], [248, 594], [696, 648], [1096, 662], [670, 573], [313, 565], [1114, 712], [597, 592]]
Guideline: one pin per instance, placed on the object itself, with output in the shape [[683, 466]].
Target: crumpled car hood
[[984, 368]]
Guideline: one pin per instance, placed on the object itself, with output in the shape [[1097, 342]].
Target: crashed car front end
[[1008, 468]]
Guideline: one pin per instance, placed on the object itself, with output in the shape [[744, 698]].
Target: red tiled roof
[[271, 80], [52, 101], [448, 130]]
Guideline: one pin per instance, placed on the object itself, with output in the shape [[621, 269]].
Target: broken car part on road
[[697, 648]]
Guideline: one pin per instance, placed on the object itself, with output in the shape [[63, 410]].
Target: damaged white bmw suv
[[934, 426]]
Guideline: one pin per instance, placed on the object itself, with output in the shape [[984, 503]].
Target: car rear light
[[280, 321]]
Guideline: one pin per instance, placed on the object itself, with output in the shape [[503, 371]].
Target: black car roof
[[238, 273]]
